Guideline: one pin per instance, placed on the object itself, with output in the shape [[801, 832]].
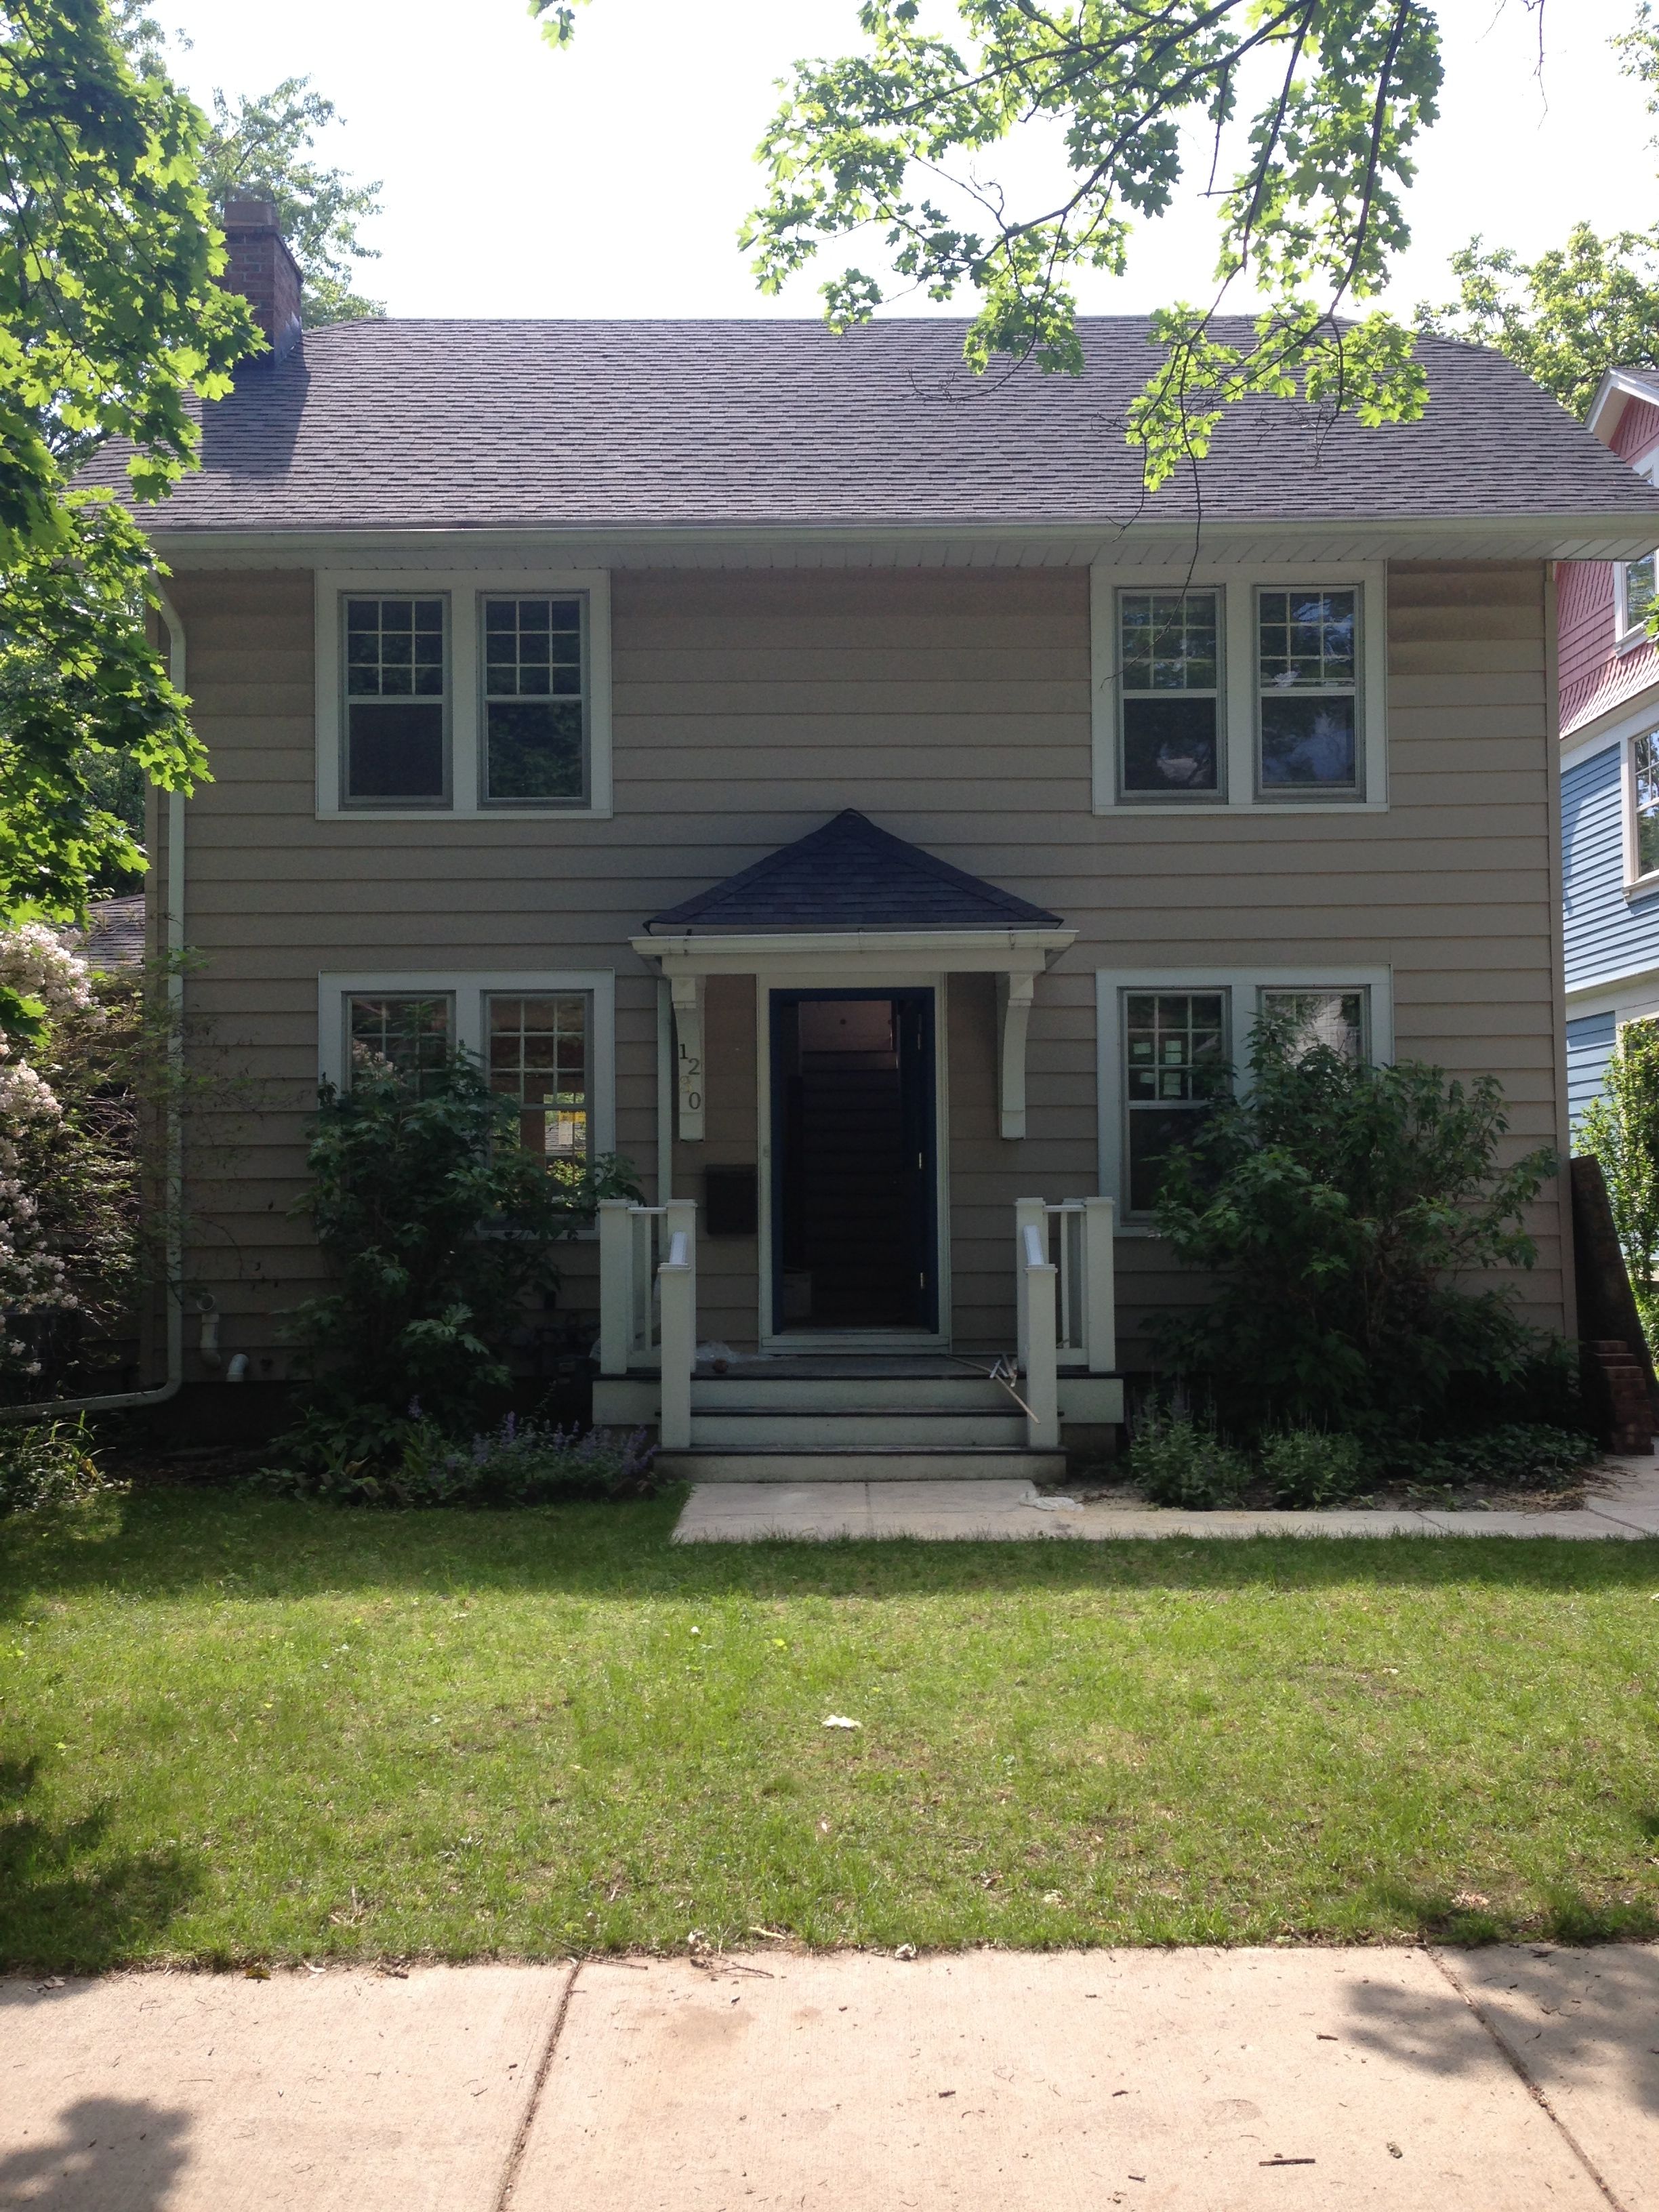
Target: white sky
[[611, 180]]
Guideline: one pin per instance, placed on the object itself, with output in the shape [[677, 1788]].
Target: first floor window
[[539, 1055], [1169, 678], [1334, 1019], [1307, 677], [1644, 770], [1175, 1053], [402, 1031], [396, 700], [535, 702]]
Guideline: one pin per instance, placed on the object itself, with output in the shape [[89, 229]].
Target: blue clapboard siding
[[1589, 1048], [1607, 934]]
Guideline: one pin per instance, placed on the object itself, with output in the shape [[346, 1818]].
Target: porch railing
[[649, 1301], [1067, 1300]]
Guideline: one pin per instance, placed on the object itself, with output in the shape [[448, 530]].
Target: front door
[[854, 1195]]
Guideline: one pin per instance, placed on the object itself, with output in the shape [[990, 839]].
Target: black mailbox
[[731, 1202]]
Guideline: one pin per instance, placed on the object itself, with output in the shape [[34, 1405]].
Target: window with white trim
[[1334, 1020], [409, 1032], [535, 716], [396, 700], [1635, 588], [1170, 681], [538, 1056], [1175, 1055], [1307, 692], [1644, 802]]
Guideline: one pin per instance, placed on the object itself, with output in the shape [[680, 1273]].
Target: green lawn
[[235, 1727]]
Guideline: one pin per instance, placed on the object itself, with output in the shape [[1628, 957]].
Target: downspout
[[173, 1189]]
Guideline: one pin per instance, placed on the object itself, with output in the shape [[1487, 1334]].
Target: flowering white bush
[[33, 965]]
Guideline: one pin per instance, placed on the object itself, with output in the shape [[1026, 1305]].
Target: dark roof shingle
[[849, 874], [456, 425]]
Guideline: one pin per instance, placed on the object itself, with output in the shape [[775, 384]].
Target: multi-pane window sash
[[535, 702], [1175, 1056], [1645, 772], [1170, 685], [401, 1029], [1334, 1019], [396, 700], [540, 1054], [1308, 690]]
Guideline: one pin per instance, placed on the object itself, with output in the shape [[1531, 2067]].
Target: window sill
[[1644, 887], [1631, 639], [1227, 809], [464, 814]]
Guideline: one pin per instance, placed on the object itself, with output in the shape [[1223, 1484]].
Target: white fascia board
[[1568, 536], [961, 951], [1621, 385]]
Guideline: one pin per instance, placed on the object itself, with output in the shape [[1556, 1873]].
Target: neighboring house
[[1610, 765], [827, 781], [113, 936]]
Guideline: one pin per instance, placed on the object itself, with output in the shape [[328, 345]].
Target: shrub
[[1335, 1202], [518, 1463], [1307, 1468], [439, 1226], [1621, 1128], [1516, 1455], [1176, 1461], [46, 1463]]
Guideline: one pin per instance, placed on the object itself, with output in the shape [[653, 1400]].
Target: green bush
[[1175, 1461], [441, 1228], [1516, 1455], [1307, 1468], [518, 1463], [1621, 1128], [46, 1463], [1335, 1204]]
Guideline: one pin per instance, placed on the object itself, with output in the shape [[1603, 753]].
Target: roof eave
[[995, 951]]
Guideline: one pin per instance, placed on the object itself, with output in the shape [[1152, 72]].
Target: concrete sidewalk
[[1627, 1506], [1498, 2080]]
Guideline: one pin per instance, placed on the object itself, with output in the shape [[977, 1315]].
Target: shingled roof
[[850, 875], [425, 425]]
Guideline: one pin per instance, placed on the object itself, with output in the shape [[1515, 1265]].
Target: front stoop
[[870, 1417]]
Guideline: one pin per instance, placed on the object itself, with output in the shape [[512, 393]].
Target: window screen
[[535, 702], [1170, 670], [1307, 674], [396, 687]]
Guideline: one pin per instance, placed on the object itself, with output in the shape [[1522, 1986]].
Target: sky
[[611, 180]]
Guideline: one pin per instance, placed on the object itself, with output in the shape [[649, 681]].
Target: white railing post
[[1041, 1279], [616, 1284], [676, 1279], [1028, 1213], [1100, 1284]]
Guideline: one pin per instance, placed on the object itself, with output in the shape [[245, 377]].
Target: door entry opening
[[854, 1210]]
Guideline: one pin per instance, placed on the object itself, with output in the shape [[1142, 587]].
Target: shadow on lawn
[[61, 1907], [238, 1546]]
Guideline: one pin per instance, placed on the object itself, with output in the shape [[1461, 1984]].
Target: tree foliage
[[1621, 1128], [1337, 1205]]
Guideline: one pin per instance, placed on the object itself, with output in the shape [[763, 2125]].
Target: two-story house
[[828, 780], [1610, 764]]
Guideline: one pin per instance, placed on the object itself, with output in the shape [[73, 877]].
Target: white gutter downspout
[[173, 1195]]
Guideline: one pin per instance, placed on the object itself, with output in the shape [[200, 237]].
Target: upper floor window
[[1307, 674], [1635, 587], [1170, 659], [397, 700], [1645, 798], [464, 692]]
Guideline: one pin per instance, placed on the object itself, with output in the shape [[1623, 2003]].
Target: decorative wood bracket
[[690, 1059], [1015, 995]]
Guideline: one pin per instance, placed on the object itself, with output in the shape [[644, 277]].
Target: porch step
[[784, 1427], [873, 1391], [864, 1463]]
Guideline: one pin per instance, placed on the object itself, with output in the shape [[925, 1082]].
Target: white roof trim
[[835, 952], [1623, 384]]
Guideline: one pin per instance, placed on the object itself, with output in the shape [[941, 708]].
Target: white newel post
[[1100, 1284], [1029, 1212], [616, 1287], [1040, 1278], [676, 1280]]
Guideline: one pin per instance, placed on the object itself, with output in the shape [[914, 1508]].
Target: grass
[[235, 1727]]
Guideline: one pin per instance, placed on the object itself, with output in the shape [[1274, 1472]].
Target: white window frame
[[468, 989], [1238, 586], [1626, 634], [1241, 989], [465, 589]]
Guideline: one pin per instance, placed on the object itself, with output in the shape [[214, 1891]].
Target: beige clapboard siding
[[953, 707]]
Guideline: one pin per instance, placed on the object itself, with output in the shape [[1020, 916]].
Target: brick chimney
[[262, 269]]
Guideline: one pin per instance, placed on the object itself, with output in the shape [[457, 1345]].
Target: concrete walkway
[[750, 1512], [1374, 2080]]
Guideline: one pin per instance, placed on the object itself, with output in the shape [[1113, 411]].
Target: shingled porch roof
[[850, 875]]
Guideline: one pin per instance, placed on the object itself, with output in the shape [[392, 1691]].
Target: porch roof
[[850, 875]]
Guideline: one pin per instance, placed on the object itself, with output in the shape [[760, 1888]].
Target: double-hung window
[[1175, 1054], [1169, 683], [539, 1050], [396, 700], [473, 693], [1644, 803], [1635, 588], [1308, 692], [1334, 1020], [412, 1032]]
